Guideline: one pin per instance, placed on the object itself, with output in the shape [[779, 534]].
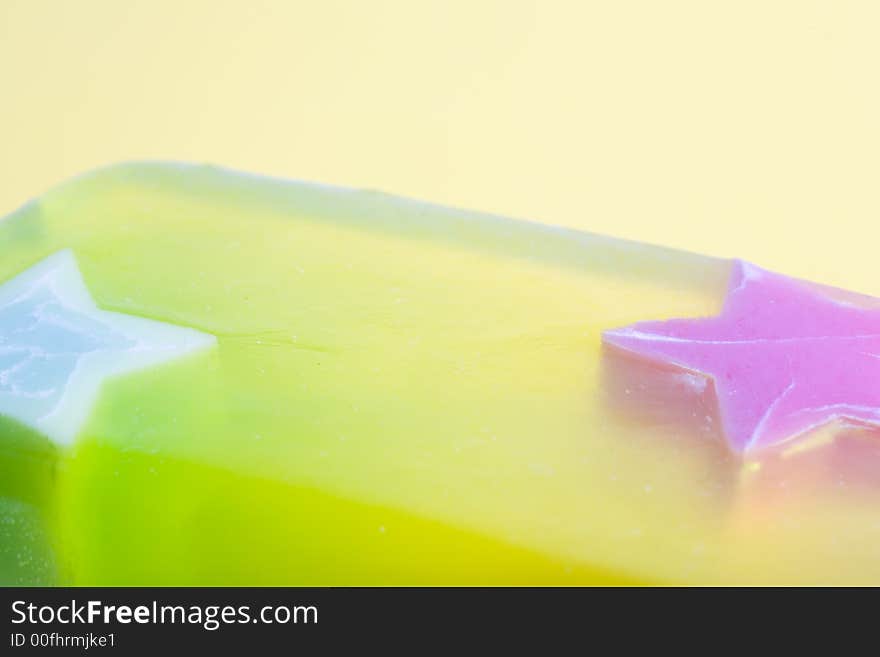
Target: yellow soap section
[[402, 394]]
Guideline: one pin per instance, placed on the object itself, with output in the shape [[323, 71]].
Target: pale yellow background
[[738, 128]]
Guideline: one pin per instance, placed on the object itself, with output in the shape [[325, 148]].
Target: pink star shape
[[785, 356]]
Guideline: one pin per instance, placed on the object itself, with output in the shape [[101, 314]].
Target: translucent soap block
[[295, 384]]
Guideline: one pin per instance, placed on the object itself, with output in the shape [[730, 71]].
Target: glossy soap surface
[[400, 394]]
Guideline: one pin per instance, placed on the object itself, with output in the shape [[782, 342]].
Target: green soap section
[[231, 529], [400, 394], [28, 463]]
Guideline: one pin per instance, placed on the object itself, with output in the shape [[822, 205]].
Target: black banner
[[135, 620]]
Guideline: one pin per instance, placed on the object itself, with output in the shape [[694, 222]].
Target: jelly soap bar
[[213, 378]]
